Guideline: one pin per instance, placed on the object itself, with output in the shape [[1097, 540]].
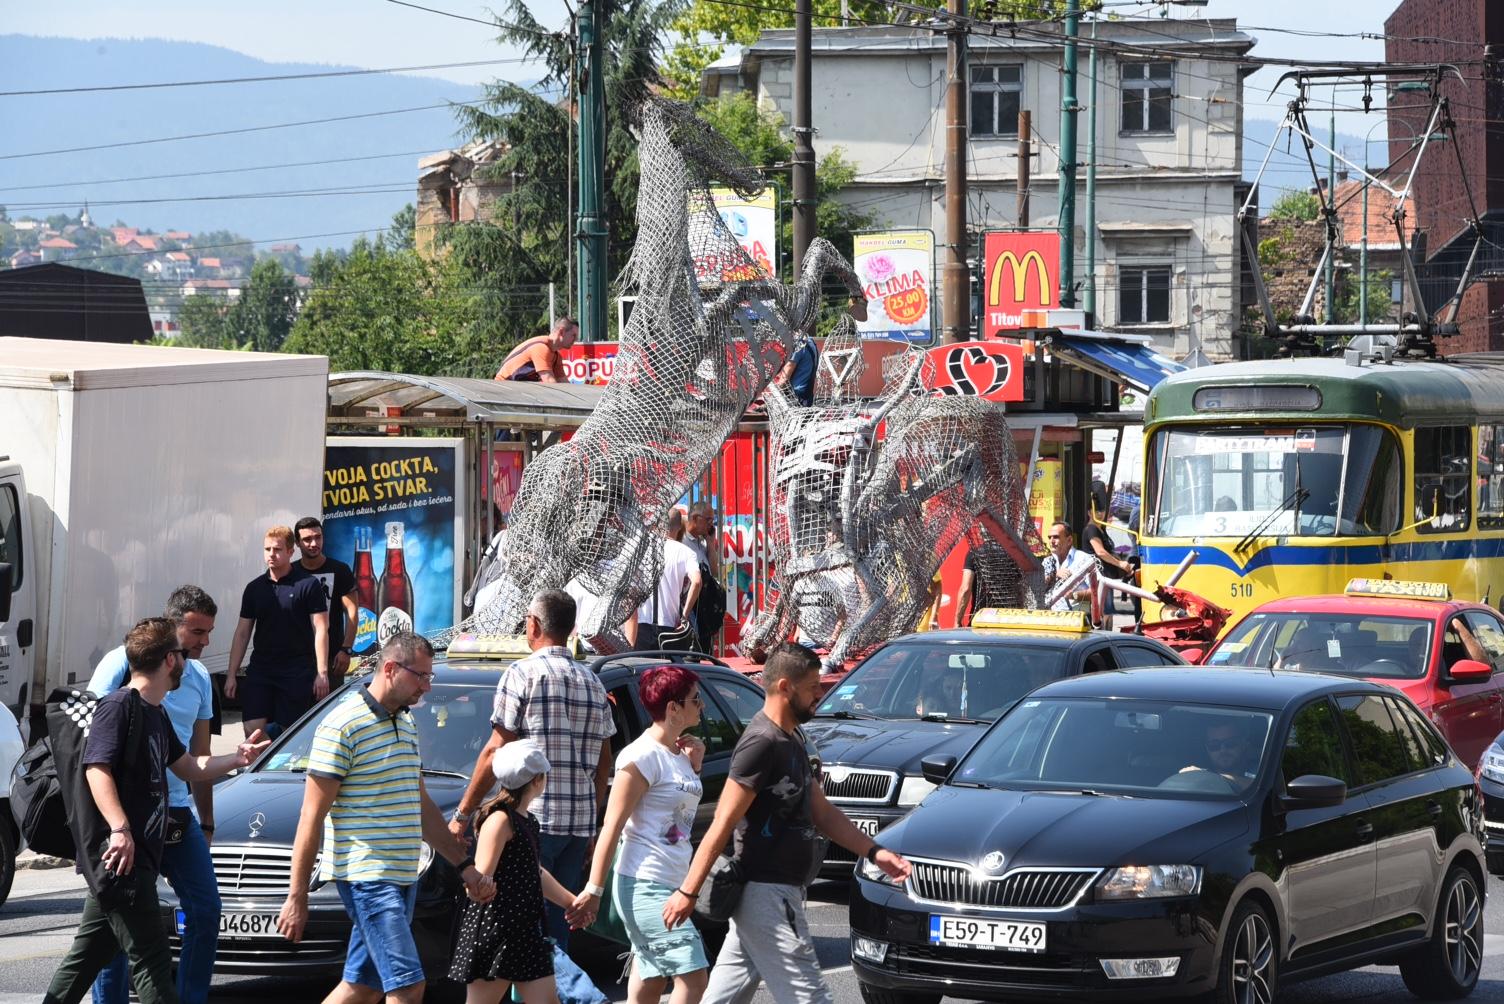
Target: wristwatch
[[871, 854]]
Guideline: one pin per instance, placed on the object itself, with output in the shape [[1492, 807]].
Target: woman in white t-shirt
[[654, 796]]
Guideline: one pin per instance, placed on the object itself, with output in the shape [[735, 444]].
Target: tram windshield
[[1273, 480]]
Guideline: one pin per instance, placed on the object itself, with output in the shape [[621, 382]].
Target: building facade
[[1168, 150]]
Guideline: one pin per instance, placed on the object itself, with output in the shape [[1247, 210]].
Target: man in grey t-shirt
[[774, 805]]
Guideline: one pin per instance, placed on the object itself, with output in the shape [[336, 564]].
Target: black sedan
[[1174, 832], [935, 693], [1491, 783], [257, 810]]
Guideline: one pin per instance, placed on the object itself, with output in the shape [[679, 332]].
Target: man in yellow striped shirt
[[364, 794]]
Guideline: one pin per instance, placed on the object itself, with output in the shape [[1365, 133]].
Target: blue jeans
[[564, 858], [190, 871], [382, 954]]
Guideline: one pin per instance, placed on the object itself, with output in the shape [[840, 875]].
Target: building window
[[1396, 290], [1443, 478], [1147, 90], [994, 100], [1144, 294]]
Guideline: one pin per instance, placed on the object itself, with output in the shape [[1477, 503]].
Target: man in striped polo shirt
[[365, 796]]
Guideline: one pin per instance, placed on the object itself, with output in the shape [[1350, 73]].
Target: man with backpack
[[121, 825], [710, 608]]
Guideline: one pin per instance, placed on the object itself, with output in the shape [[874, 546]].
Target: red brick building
[[1468, 34]]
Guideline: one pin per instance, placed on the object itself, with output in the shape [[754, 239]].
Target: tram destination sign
[[1257, 397]]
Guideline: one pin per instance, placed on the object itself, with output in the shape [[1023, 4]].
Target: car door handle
[[1364, 832]]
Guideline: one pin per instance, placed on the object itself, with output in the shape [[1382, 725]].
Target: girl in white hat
[[502, 941]]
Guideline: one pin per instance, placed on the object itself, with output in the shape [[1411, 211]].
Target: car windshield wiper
[[942, 717], [1292, 501], [846, 715], [967, 784], [434, 771]]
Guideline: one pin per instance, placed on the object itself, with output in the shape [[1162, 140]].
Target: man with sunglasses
[[185, 858], [552, 699], [1227, 749]]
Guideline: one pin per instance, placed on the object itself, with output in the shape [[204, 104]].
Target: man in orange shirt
[[538, 359]]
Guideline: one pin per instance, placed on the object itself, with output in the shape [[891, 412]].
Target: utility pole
[[1363, 252], [590, 234], [1025, 137], [956, 307], [1331, 203], [804, 146], [1067, 213], [1090, 297]]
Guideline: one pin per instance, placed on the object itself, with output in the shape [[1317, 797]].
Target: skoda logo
[[993, 862], [837, 775], [258, 821]]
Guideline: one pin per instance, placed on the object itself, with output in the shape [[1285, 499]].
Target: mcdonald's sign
[[1018, 275]]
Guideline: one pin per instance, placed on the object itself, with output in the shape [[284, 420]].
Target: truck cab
[[18, 607]]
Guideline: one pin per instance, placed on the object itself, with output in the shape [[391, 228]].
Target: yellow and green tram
[[1290, 477]]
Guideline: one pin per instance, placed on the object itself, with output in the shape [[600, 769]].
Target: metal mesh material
[[859, 527], [692, 358]]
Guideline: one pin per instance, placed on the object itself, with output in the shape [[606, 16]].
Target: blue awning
[[1130, 362]]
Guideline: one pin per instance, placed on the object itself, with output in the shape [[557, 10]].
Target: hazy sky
[[374, 33]]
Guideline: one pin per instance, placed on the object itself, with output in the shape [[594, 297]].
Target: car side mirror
[[1314, 791], [1469, 671], [937, 768], [4, 591]]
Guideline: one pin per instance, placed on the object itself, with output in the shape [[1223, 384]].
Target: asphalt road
[[37, 924]]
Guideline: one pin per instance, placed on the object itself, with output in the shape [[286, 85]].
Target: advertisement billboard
[[589, 362], [990, 370], [1020, 272], [394, 512], [754, 224], [897, 272]]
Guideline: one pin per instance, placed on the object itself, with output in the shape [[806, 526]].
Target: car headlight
[[1146, 881], [425, 858], [913, 790], [869, 871], [1492, 766]]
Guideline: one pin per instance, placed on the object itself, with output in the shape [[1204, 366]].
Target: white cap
[[517, 763]]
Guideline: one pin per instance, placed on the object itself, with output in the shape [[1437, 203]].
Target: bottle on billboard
[[365, 592], [395, 594]]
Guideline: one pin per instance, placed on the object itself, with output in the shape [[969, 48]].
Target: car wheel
[[1447, 967], [7, 855], [1250, 962], [878, 995]]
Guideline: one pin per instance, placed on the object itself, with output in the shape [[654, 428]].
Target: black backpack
[[36, 801], [710, 607]]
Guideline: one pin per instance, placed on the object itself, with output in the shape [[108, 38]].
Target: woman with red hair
[[651, 812]]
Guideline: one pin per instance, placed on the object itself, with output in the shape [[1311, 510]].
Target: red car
[[1444, 654]]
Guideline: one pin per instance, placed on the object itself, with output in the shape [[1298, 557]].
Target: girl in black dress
[[502, 941]]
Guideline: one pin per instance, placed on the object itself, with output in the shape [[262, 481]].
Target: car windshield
[[977, 681], [1386, 648], [1274, 480], [1152, 749], [454, 722]]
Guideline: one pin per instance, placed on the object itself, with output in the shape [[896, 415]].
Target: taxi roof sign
[[1405, 588], [1008, 619], [489, 646]]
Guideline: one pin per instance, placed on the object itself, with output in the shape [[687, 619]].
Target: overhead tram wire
[[225, 170]]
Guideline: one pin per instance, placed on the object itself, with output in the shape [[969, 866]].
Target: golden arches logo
[[1021, 268]]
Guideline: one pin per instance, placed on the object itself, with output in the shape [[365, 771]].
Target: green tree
[[401, 233], [1296, 205], [262, 316], [204, 322]]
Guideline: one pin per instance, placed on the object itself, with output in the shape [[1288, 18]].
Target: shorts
[[382, 954], [659, 951], [279, 698]]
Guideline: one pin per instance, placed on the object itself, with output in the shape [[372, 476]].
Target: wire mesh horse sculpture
[[691, 360]]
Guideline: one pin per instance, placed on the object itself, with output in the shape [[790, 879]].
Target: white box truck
[[129, 470]]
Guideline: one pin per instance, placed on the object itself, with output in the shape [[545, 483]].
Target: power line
[[250, 80], [225, 170]]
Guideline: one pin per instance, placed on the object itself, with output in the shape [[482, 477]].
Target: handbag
[[722, 891], [608, 924]]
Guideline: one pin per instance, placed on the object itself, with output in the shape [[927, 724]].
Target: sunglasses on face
[[182, 653]]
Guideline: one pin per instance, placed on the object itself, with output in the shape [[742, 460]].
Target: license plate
[[867, 826], [242, 925], [969, 932]]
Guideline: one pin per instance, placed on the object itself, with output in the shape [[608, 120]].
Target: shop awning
[[1129, 359]]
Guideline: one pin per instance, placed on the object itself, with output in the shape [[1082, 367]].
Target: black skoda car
[[936, 692], [257, 810], [1174, 832]]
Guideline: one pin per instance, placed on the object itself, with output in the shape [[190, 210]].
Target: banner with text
[[897, 272], [1020, 272], [394, 512], [754, 224]]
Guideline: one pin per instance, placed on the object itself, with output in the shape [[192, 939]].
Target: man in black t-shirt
[[130, 747], [286, 610], [776, 810], [984, 582], [339, 593]]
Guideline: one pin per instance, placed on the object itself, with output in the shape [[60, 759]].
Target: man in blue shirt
[[185, 862], [798, 374]]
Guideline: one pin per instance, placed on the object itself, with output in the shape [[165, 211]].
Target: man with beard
[[130, 747], [774, 805], [339, 593], [185, 857]]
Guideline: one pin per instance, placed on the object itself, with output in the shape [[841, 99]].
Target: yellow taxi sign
[[489, 646], [1007, 619], [1406, 588]]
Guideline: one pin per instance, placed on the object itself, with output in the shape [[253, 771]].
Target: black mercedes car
[[1175, 832], [1491, 783], [257, 810], [935, 693]]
